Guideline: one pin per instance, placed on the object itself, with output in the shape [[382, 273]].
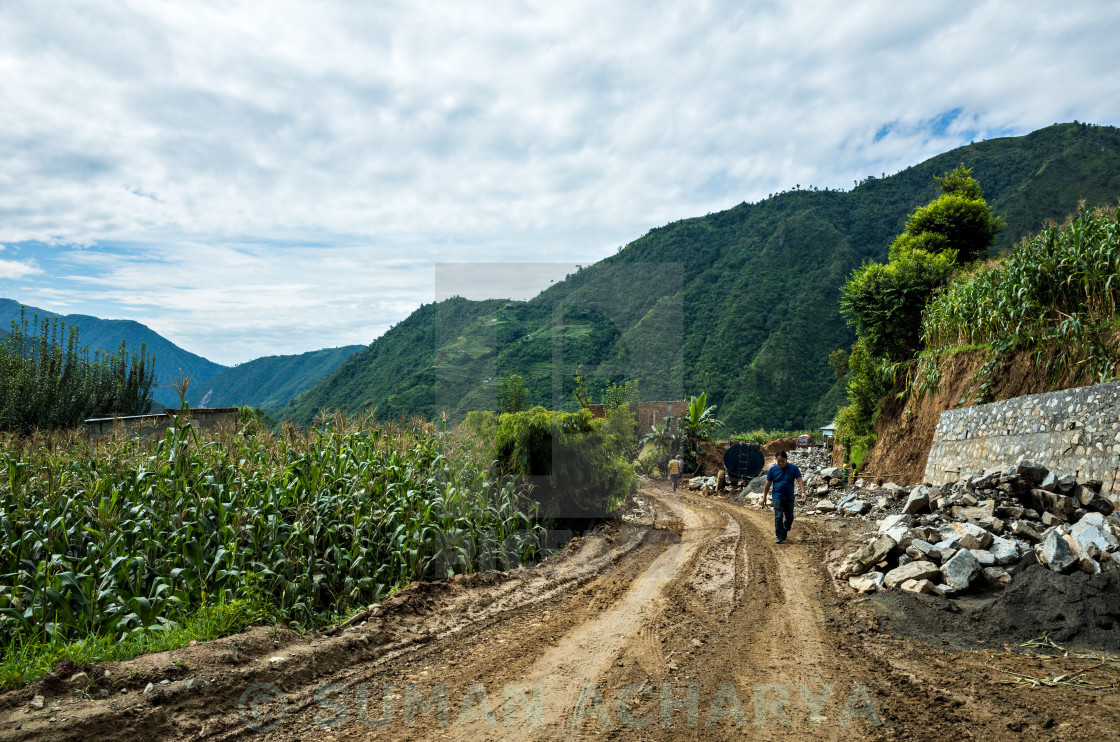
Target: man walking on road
[[675, 466], [783, 475]]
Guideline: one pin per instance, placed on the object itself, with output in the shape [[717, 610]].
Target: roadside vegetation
[[884, 302], [126, 544], [1055, 294]]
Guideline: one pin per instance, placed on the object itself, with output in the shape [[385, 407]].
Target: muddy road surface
[[683, 621]]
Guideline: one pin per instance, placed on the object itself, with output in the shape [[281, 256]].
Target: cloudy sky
[[251, 178]]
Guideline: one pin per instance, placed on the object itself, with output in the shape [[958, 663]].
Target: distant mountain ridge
[[742, 303], [268, 382]]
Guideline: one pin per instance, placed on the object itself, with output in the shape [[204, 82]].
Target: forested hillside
[[269, 382], [742, 303]]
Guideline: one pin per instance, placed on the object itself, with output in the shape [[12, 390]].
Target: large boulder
[[867, 583], [860, 561], [1004, 550], [1029, 470], [996, 576], [959, 571], [969, 535], [1099, 504], [1091, 532], [984, 557], [1055, 553], [756, 485], [894, 490], [891, 521], [902, 536], [1026, 530], [1057, 505], [985, 510], [919, 586], [918, 502], [1085, 561], [921, 549], [920, 570], [1050, 483]]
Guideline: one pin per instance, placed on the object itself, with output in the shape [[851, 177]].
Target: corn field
[[1057, 293], [127, 536]]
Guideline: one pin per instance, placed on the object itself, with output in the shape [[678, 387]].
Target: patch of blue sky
[[939, 124], [884, 130]]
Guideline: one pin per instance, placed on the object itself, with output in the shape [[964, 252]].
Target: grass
[[28, 661]]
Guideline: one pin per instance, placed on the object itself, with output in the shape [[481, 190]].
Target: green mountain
[[107, 334], [269, 382], [741, 303]]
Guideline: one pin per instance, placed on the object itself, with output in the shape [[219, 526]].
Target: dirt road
[[686, 621]]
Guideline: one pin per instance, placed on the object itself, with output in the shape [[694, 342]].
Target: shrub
[[884, 302], [568, 459]]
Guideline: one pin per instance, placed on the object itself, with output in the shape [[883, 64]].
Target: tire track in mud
[[752, 652], [700, 629]]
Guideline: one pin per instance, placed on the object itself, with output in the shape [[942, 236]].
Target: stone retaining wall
[[1074, 431]]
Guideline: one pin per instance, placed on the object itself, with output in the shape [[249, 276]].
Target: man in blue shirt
[[783, 475]]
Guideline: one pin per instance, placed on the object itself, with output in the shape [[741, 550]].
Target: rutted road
[[685, 622]]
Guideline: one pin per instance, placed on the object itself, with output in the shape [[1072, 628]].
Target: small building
[[828, 431], [155, 423]]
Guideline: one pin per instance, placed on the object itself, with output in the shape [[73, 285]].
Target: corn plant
[[306, 525], [1056, 294]]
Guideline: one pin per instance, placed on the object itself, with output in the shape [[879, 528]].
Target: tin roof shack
[[147, 426]]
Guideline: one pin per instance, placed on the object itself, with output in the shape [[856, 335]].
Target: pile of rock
[[699, 483], [981, 531], [810, 462]]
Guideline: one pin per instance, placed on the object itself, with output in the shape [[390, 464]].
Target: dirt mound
[[712, 459], [1080, 611], [1077, 609]]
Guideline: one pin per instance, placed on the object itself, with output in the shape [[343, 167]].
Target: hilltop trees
[[884, 303]]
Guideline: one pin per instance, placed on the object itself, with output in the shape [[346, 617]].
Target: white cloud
[[15, 269], [339, 139]]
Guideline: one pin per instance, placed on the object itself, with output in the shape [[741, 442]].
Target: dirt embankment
[[905, 428], [685, 621]]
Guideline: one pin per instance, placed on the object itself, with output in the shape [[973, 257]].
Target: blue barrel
[[743, 461]]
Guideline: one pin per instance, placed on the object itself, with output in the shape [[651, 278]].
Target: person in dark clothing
[[783, 476]]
